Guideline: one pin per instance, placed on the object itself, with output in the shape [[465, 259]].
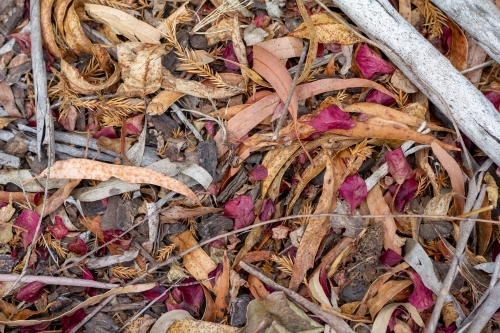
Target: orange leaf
[[222, 289], [453, 169], [76, 168]]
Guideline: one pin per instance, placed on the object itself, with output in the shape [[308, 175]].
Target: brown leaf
[[459, 48], [47, 30], [221, 289], [57, 199], [124, 24], [197, 262], [328, 30], [454, 172], [87, 169], [7, 100], [141, 66], [162, 101], [82, 86], [317, 227], [378, 206], [175, 213], [284, 47], [386, 292]]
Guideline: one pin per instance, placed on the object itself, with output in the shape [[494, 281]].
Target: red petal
[[405, 194], [241, 209], [229, 54], [371, 64], [209, 126], [151, 294], [28, 220], [59, 230], [399, 168], [331, 117], [68, 322], [107, 131], [78, 246], [378, 97], [421, 298], [69, 119], [267, 210], [494, 98], [354, 191], [192, 295], [390, 258], [258, 172], [31, 292]]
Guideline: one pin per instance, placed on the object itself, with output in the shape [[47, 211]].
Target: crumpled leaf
[[328, 29], [241, 209], [59, 230], [28, 220], [421, 297], [390, 258], [378, 97], [78, 246], [371, 64], [31, 292], [354, 191], [405, 193], [399, 168], [331, 117], [230, 55], [276, 313], [258, 172]]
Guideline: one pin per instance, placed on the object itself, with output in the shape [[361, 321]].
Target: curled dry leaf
[[124, 24], [78, 83], [398, 166], [328, 29], [370, 63], [88, 169]]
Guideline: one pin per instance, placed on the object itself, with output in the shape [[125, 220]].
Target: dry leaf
[[124, 24], [197, 262], [386, 292], [141, 67], [221, 289], [87, 169], [328, 29], [284, 47]]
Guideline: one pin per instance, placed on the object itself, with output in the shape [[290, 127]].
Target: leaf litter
[[162, 180]]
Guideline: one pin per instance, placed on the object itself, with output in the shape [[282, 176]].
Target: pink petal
[[68, 322], [134, 124], [399, 168], [421, 298], [28, 220], [108, 132], [378, 97], [354, 191], [78, 246], [331, 117], [405, 194], [59, 230], [69, 120], [209, 126], [241, 209], [494, 98], [229, 54], [390, 258], [258, 172], [31, 292], [371, 64], [267, 210]]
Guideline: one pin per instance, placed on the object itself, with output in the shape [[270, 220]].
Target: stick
[[58, 281], [335, 322]]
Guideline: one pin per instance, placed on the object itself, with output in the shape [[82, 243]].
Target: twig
[[465, 230], [480, 66], [182, 117], [335, 322], [39, 76], [290, 93], [488, 309], [317, 63], [58, 281]]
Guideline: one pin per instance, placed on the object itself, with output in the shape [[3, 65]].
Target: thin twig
[[58, 281], [480, 66], [178, 112], [290, 93], [334, 321]]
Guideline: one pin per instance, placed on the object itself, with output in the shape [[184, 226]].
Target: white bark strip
[[430, 71], [480, 18]]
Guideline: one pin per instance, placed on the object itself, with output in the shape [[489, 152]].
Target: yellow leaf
[[328, 30]]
